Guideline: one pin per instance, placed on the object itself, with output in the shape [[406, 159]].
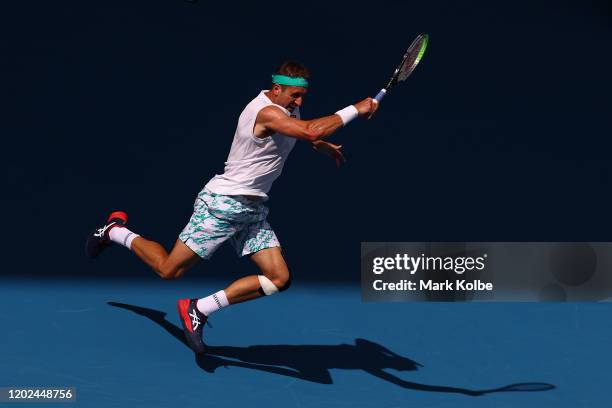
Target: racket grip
[[380, 95]]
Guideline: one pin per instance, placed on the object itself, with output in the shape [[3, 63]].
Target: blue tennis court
[[120, 344]]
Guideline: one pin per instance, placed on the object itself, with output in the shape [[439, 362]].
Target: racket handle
[[380, 95]]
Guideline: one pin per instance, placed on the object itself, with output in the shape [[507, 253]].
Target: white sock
[[212, 303], [122, 236]]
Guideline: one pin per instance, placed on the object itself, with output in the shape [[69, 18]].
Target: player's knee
[[168, 272], [166, 275], [278, 280], [284, 284]]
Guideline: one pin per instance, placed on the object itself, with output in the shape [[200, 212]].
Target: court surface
[[119, 344]]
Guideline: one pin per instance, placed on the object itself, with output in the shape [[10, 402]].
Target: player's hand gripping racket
[[409, 62]]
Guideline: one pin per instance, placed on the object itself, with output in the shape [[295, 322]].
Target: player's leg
[[257, 240], [167, 266], [200, 238], [274, 277]]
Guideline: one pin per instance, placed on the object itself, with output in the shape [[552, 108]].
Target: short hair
[[293, 69]]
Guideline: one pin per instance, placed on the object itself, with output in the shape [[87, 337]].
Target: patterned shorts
[[218, 217]]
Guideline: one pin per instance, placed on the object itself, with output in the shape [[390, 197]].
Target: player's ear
[[276, 89]]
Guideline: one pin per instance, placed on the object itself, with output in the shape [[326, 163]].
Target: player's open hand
[[367, 107], [331, 150]]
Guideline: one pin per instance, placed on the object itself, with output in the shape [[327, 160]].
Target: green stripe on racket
[[410, 60]]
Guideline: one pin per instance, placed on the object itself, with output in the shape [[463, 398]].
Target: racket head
[[412, 57]]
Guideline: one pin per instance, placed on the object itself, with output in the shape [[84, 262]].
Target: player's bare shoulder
[[265, 117]]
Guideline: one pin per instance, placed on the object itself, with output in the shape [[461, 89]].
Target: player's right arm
[[272, 119]]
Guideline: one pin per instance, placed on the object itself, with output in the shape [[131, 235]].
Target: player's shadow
[[313, 362]]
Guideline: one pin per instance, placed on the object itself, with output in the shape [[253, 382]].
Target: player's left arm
[[331, 150]]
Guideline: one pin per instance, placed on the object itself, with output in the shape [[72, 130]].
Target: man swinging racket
[[231, 206]]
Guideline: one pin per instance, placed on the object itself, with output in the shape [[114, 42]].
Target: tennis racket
[[409, 62]]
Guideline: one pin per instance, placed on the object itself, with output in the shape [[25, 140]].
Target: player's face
[[291, 97]]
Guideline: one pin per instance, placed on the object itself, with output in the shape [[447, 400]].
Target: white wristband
[[347, 114]]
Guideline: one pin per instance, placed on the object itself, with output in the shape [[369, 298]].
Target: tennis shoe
[[193, 323], [99, 239]]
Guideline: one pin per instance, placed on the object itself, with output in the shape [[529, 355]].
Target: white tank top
[[253, 163]]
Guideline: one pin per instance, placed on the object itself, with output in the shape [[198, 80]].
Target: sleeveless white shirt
[[253, 163]]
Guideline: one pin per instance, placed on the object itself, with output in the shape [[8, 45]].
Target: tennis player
[[231, 206]]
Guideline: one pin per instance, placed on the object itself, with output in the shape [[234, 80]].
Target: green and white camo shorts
[[218, 217]]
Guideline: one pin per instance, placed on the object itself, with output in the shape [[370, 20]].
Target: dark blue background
[[500, 134]]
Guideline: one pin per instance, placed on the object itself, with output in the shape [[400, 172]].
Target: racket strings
[[413, 55]]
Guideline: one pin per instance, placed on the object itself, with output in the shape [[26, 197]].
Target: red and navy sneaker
[[99, 239], [193, 323]]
